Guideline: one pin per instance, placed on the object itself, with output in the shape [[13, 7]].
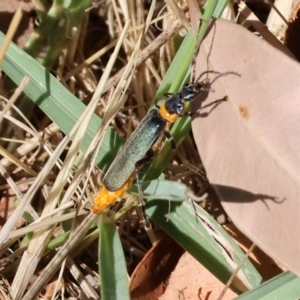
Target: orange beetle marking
[[166, 115], [104, 198]]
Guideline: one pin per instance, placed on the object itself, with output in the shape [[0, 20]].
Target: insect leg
[[170, 139], [141, 206], [168, 95]]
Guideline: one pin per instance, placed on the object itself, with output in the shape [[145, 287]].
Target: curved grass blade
[[199, 234]]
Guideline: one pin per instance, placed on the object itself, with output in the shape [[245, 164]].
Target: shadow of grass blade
[[61, 106]]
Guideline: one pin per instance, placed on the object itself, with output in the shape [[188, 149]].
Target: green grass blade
[[172, 82], [112, 266], [180, 223], [56, 30], [198, 233], [284, 286], [217, 8], [163, 190], [61, 106]]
